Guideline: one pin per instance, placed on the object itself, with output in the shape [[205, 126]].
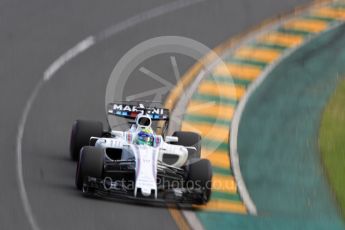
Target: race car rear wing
[[130, 111]]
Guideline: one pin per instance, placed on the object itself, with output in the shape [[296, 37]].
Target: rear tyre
[[90, 164], [200, 176], [81, 133], [189, 139]]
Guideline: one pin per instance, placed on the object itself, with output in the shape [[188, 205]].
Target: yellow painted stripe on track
[[220, 160], [179, 219], [223, 206], [308, 25], [210, 109], [205, 152], [329, 12], [224, 183], [204, 130], [278, 38], [224, 90], [239, 71], [257, 54]]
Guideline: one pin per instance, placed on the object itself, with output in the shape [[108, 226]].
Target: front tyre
[[81, 133], [90, 164], [199, 176]]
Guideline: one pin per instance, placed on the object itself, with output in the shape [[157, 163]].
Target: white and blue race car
[[138, 163]]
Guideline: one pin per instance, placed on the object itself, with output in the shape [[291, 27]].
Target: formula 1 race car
[[138, 163]]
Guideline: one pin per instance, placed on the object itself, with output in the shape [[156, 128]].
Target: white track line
[[58, 64], [66, 57], [19, 163]]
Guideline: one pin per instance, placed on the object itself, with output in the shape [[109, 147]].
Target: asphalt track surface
[[33, 35]]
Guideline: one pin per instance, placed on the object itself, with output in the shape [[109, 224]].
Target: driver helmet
[[145, 137]]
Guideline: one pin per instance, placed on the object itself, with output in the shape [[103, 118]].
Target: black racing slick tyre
[[81, 133], [189, 139], [90, 164], [200, 175]]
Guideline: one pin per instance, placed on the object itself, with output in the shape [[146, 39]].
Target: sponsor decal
[[132, 111]]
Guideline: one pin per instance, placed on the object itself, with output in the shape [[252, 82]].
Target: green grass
[[332, 143]]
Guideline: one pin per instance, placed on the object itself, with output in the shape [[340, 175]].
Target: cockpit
[[144, 134]]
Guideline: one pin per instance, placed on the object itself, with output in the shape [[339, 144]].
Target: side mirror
[[171, 139], [116, 133], [93, 141]]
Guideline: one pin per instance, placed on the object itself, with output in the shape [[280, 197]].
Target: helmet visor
[[144, 121]]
